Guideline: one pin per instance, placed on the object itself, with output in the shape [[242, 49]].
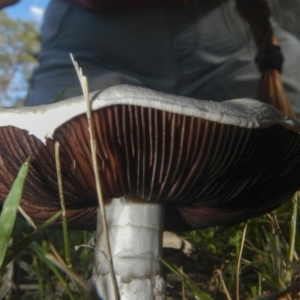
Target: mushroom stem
[[135, 235]]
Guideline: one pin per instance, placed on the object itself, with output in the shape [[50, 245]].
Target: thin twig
[[84, 86], [59, 259], [238, 263], [277, 234], [54, 251], [28, 219], [63, 267], [220, 275], [63, 207], [293, 227]]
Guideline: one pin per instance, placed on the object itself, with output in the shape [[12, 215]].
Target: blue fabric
[[201, 51]]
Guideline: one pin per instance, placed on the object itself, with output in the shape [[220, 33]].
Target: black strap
[[270, 57]]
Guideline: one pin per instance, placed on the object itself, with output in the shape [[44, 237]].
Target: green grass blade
[[18, 247], [10, 209], [62, 204], [198, 294], [61, 94]]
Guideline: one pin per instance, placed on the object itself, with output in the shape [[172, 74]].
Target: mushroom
[[165, 162], [175, 247]]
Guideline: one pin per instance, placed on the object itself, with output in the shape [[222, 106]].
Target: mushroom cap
[[210, 163]]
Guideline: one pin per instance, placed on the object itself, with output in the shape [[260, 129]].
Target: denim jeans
[[200, 51]]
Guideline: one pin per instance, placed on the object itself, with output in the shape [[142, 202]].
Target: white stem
[[135, 234]]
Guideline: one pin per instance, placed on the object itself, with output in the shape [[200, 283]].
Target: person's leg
[[112, 48], [67, 29], [219, 63], [202, 51]]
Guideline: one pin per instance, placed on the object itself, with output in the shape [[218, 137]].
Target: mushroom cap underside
[[217, 167]]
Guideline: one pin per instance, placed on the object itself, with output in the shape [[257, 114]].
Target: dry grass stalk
[[85, 90]]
